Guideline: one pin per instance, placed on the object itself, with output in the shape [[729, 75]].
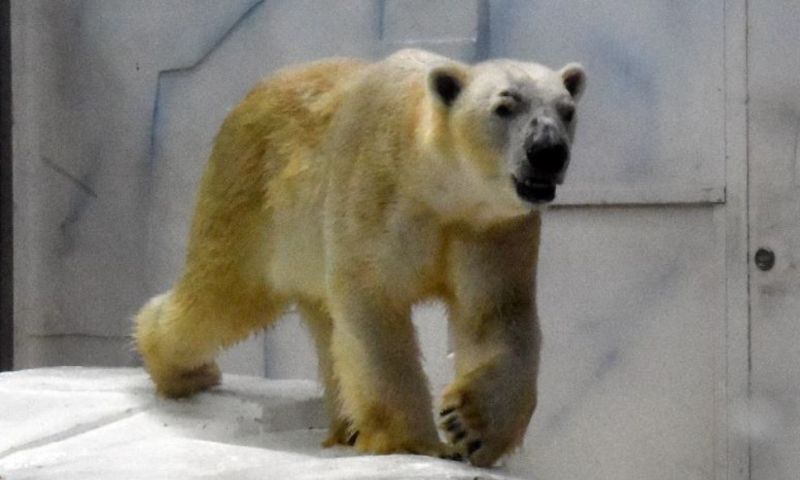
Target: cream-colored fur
[[356, 190]]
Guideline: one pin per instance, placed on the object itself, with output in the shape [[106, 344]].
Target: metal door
[[774, 160]]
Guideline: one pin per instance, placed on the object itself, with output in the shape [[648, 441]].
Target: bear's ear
[[446, 83], [574, 78]]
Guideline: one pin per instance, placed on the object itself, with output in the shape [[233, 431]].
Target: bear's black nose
[[548, 160]]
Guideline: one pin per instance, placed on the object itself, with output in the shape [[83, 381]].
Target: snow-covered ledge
[[80, 423]]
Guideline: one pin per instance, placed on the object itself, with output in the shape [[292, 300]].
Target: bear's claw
[[473, 446], [447, 411], [456, 457], [452, 424], [351, 440]]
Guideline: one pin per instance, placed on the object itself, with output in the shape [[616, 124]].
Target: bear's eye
[[503, 111], [508, 104], [567, 113]]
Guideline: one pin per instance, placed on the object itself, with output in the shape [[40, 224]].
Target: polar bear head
[[511, 124]]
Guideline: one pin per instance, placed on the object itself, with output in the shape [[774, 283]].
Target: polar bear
[[355, 190]]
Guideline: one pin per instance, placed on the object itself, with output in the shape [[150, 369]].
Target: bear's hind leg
[[171, 380], [382, 386], [321, 325], [180, 333]]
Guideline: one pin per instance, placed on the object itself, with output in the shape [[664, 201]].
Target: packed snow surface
[[88, 423]]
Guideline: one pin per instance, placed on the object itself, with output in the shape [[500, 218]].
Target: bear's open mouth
[[535, 191]]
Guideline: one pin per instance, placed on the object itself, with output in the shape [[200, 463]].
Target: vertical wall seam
[[749, 223], [6, 195]]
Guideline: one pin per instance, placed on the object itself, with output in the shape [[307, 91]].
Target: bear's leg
[[381, 383], [180, 332], [321, 326], [486, 410]]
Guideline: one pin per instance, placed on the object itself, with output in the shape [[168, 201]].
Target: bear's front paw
[[457, 434], [465, 428], [481, 428]]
